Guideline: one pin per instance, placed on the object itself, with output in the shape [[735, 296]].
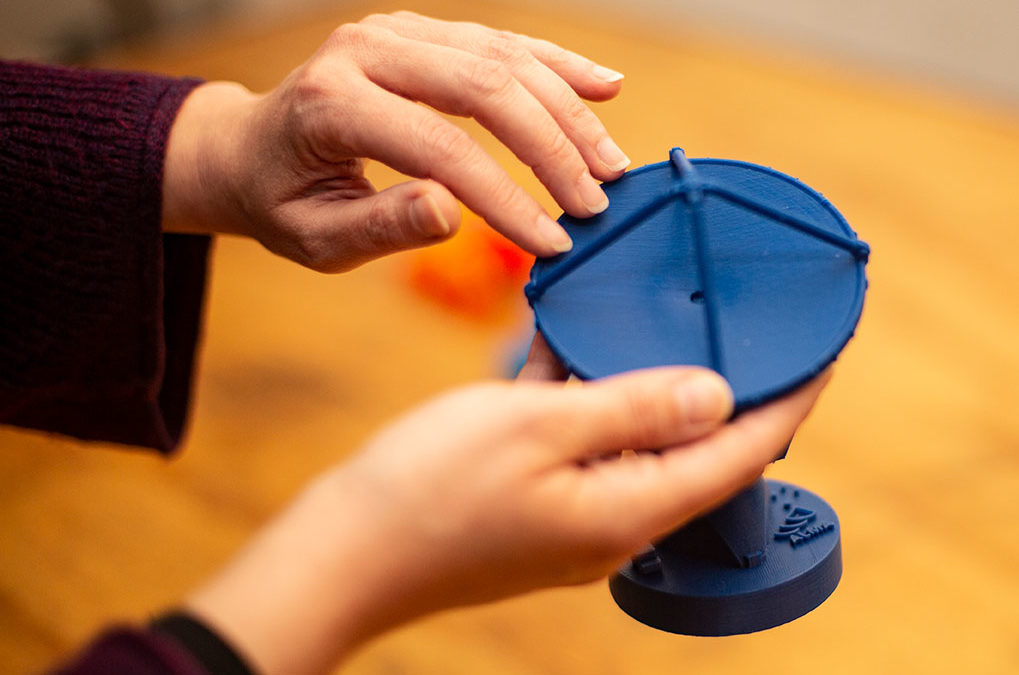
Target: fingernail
[[428, 218], [611, 154], [606, 74], [554, 234], [705, 398], [591, 194]]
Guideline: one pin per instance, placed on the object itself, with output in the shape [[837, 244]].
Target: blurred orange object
[[476, 273]]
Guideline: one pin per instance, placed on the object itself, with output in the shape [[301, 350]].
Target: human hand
[[542, 363], [287, 167], [488, 492]]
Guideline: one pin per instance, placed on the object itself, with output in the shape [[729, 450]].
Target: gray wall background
[[968, 45]]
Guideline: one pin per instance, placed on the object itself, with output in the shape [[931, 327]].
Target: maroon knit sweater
[[99, 310]]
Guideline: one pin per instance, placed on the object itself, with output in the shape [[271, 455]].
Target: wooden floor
[[916, 442]]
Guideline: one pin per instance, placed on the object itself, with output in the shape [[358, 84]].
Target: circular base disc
[[686, 594]]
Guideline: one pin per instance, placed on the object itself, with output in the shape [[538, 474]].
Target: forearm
[[323, 578]]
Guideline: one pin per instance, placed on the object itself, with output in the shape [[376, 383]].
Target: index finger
[[556, 77], [589, 79], [420, 143]]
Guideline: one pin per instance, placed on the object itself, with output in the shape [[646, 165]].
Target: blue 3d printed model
[[745, 270]]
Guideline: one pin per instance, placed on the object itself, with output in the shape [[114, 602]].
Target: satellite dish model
[[750, 272]]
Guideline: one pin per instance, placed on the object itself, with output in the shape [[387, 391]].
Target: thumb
[[408, 215], [646, 409]]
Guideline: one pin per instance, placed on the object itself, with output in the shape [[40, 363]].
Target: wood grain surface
[[916, 442]]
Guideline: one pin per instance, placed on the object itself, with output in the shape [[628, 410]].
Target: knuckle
[[538, 417], [505, 48], [488, 77], [320, 249], [646, 417], [353, 35], [560, 147], [573, 112], [377, 19], [311, 82], [505, 197], [405, 14], [558, 152], [309, 109], [313, 253], [345, 34], [518, 39], [377, 230], [442, 141], [547, 425], [556, 58]]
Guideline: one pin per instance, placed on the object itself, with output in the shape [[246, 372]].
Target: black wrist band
[[208, 648]]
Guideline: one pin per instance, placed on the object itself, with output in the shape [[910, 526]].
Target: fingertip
[[606, 75], [612, 156], [435, 211], [603, 84], [704, 397], [427, 217], [554, 236], [592, 195]]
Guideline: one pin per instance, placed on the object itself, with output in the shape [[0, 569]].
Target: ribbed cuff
[[208, 648], [101, 309]]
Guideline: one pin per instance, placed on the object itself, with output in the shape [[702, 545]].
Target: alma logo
[[800, 527]]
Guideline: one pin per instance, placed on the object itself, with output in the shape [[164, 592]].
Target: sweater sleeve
[[175, 644], [99, 310], [120, 651]]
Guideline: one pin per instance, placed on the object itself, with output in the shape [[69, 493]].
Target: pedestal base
[[679, 589]]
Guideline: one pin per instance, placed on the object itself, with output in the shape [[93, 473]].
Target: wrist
[[312, 586], [204, 161]]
